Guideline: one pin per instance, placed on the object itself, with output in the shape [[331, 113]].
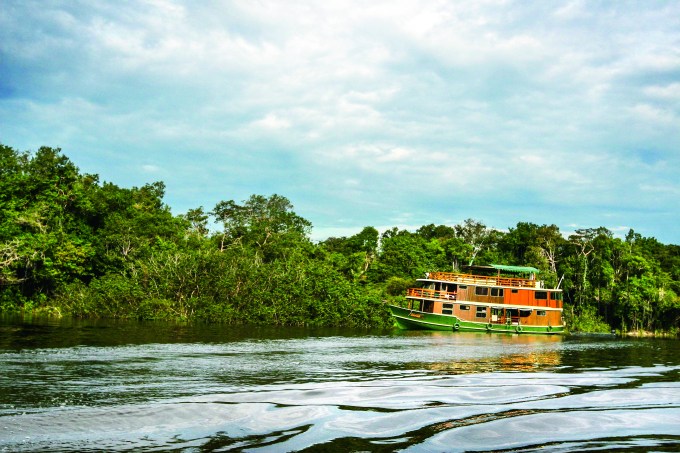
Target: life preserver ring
[[518, 329], [456, 326], [488, 326], [549, 328]]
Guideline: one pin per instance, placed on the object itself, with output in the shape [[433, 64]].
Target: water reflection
[[533, 361], [538, 353], [79, 386]]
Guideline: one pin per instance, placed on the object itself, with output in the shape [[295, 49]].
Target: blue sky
[[382, 113]]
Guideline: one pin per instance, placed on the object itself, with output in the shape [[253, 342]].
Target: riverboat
[[484, 300]]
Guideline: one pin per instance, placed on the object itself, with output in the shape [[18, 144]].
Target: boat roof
[[504, 268]]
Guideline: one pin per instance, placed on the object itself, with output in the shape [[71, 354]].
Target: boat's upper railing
[[471, 279], [431, 293]]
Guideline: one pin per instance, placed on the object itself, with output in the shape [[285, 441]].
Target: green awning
[[518, 269]]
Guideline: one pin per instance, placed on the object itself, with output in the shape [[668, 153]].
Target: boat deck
[[484, 280]]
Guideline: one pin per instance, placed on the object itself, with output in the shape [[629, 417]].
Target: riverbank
[[51, 312], [656, 334]]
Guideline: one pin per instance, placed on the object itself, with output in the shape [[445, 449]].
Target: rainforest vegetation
[[71, 245]]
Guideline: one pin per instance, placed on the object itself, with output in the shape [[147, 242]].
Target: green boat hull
[[413, 319]]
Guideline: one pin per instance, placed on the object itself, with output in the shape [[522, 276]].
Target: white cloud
[[356, 111], [272, 121], [661, 189], [569, 10], [653, 114], [148, 168], [669, 92]]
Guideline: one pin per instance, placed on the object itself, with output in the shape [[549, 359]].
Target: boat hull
[[413, 319]]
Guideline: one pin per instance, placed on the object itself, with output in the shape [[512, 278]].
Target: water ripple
[[413, 392], [450, 413]]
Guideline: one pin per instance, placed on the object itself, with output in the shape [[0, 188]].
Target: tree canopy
[[70, 244]]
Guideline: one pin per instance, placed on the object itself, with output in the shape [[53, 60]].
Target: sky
[[381, 113]]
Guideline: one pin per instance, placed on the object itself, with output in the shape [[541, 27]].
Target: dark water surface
[[79, 386]]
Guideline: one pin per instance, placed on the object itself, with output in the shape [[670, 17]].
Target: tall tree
[[353, 256], [475, 234], [268, 223]]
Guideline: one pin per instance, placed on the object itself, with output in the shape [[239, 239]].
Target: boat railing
[[472, 279], [513, 320], [431, 293]]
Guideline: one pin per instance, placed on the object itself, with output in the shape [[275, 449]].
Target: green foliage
[[266, 224], [403, 254], [587, 321], [397, 286], [353, 256], [72, 245]]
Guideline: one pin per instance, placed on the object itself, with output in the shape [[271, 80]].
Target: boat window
[[482, 291], [540, 312], [462, 286], [556, 295], [481, 312], [515, 291], [448, 306], [541, 295], [464, 307], [496, 292], [447, 312]]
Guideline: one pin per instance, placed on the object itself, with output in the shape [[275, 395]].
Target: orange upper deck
[[483, 280]]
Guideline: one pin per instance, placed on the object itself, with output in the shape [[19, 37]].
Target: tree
[[406, 255], [582, 239], [267, 223], [44, 237], [353, 256], [441, 232], [550, 241], [129, 223], [475, 234], [518, 240], [198, 221]]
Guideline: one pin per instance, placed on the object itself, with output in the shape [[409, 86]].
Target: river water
[[89, 386]]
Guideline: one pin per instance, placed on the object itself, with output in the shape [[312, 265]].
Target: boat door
[[512, 316]]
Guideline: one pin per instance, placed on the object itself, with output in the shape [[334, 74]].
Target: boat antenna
[[560, 282]]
